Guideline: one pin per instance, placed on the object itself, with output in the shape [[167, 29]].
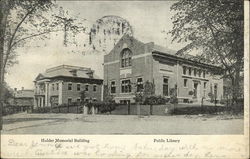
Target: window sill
[[124, 68], [190, 76], [126, 93]]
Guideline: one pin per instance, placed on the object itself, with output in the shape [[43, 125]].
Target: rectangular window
[[184, 70], [165, 86], [113, 87], [94, 88], [53, 87], [57, 86], [190, 71], [139, 85], [185, 82], [78, 87], [78, 100], [200, 73], [204, 74], [126, 86], [69, 86], [69, 100], [195, 72], [205, 85], [86, 87]]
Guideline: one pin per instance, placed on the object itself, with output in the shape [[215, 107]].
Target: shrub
[[62, 105], [191, 93], [42, 110], [155, 100], [103, 107]]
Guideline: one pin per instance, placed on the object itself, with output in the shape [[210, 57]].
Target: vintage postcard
[[124, 79]]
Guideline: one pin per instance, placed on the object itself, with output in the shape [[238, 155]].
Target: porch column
[[102, 89], [38, 102], [60, 93], [42, 102], [46, 94], [35, 102]]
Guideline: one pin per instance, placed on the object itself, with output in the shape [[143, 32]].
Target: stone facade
[[132, 62], [64, 84]]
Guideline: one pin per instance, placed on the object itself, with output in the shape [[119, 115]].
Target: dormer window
[[90, 74], [126, 57], [73, 72]]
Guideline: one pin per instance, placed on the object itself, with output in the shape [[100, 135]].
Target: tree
[[107, 96], [173, 96], [149, 90], [8, 94], [216, 28], [23, 20]]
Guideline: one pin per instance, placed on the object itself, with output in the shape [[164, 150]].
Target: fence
[[144, 109], [12, 109]]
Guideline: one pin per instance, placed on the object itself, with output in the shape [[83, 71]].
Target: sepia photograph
[[128, 67], [124, 68]]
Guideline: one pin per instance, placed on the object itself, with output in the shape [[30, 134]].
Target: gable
[[39, 77], [126, 42]]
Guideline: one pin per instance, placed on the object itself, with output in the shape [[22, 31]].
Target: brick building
[[64, 84], [131, 63], [24, 97]]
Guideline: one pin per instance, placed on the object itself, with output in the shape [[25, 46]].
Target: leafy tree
[[149, 90], [8, 94], [107, 96], [83, 97], [215, 27], [23, 20]]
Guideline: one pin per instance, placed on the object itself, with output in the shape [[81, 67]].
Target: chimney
[[90, 74], [15, 89], [73, 72], [22, 88]]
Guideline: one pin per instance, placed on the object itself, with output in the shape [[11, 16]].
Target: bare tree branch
[[14, 34]]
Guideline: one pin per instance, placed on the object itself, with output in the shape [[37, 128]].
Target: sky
[[148, 19]]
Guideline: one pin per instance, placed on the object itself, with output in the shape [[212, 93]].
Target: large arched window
[[126, 57]]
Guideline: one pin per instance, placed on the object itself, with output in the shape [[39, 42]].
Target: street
[[24, 123]]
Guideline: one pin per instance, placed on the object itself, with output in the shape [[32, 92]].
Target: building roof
[[163, 49], [24, 93], [68, 71], [166, 51]]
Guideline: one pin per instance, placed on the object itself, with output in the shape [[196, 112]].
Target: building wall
[[141, 59], [24, 101], [163, 69], [74, 94], [177, 77], [61, 94], [154, 69]]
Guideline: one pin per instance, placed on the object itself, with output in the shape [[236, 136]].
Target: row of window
[[78, 100], [185, 81], [199, 72], [55, 86], [70, 87], [126, 86], [78, 87]]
